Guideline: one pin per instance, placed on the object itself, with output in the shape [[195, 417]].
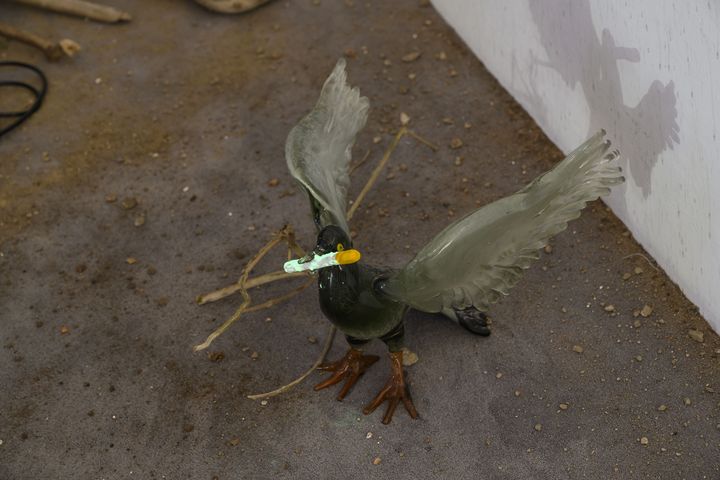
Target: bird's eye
[[340, 247]]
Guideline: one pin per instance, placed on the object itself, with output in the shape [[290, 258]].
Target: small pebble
[[273, 182], [404, 118], [254, 355], [538, 427], [234, 442], [578, 349], [64, 330], [646, 311], [638, 270], [216, 356], [409, 357], [626, 276], [377, 461], [312, 339], [644, 441], [697, 335], [129, 203], [131, 260], [687, 401], [548, 249], [563, 406], [411, 57], [609, 308], [456, 143], [662, 408]]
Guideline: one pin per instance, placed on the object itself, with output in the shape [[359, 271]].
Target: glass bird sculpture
[[469, 265]]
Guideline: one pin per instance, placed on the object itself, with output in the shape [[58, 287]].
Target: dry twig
[[81, 8], [643, 256], [288, 235], [52, 50], [321, 358]]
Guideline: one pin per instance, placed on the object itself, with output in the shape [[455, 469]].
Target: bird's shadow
[[584, 59]]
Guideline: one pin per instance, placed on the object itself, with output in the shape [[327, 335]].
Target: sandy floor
[[159, 143]]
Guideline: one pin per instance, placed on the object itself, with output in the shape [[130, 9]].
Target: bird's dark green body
[[350, 300]]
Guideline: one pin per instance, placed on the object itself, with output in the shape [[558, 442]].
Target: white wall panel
[[648, 71]]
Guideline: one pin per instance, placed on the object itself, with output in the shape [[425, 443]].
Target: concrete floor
[[186, 113]]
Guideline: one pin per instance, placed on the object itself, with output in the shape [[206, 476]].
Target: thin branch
[[53, 50], [81, 8], [321, 358], [274, 301], [287, 234], [360, 163], [250, 283], [376, 173], [420, 139], [646, 259], [238, 313]]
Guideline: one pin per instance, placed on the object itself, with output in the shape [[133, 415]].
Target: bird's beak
[[314, 261]]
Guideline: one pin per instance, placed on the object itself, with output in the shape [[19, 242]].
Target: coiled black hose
[[39, 93]]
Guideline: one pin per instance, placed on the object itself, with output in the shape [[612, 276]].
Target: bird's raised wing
[[478, 258], [318, 148]]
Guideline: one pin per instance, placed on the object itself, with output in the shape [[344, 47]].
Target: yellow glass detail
[[347, 256]]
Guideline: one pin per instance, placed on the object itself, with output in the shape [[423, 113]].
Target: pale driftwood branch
[[321, 358], [420, 139], [376, 173], [250, 283], [288, 235], [231, 6], [52, 50], [81, 8]]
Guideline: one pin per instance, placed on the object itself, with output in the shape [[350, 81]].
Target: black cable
[[39, 95]]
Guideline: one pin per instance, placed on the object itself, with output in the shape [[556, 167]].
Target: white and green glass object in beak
[[316, 262]]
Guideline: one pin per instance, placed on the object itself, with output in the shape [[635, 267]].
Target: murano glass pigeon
[[469, 265]]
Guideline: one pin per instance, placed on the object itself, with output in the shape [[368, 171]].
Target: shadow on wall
[[573, 50]]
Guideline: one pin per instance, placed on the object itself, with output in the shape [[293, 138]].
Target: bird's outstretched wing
[[478, 258], [318, 148]]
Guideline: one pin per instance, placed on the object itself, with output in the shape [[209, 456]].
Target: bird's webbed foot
[[351, 367], [394, 391], [474, 321]]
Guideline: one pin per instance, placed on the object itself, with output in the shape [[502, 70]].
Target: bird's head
[[332, 239], [333, 247]]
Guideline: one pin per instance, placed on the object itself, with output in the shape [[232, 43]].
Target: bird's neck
[[339, 284]]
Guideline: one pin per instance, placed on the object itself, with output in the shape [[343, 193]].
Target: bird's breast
[[348, 300]]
